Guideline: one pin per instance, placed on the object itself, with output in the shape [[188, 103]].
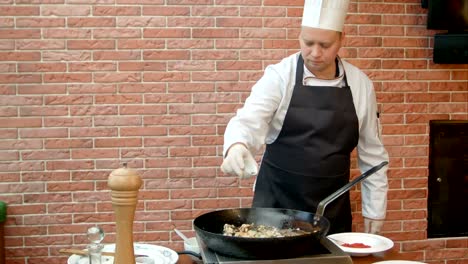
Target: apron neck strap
[[300, 71]]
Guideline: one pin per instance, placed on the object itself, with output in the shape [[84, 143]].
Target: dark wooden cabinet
[[448, 179]]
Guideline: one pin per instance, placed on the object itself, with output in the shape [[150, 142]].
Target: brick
[[20, 122], [67, 122], [404, 19], [94, 153], [167, 10], [67, 143], [43, 132], [117, 55], [404, 64], [192, 172], [143, 109], [166, 141], [91, 22], [117, 77], [261, 55], [20, 33], [141, 22], [65, 10], [19, 56], [66, 56], [93, 110], [170, 205], [166, 76], [7, 22], [216, 203], [215, 11], [67, 77], [447, 86], [8, 133], [69, 165], [208, 76], [141, 88], [192, 130], [40, 44], [214, 55], [381, 30], [9, 156], [116, 10], [417, 53], [224, 182], [19, 10], [40, 22], [407, 151], [447, 108], [92, 66], [392, 118], [461, 75], [141, 44], [417, 162], [7, 44], [144, 152], [381, 8], [93, 132], [117, 121], [424, 118], [166, 33], [42, 67], [43, 111], [68, 99], [45, 176], [92, 88], [404, 42], [90, 44], [168, 162], [67, 33], [117, 33], [240, 2], [8, 111], [142, 66], [118, 142]]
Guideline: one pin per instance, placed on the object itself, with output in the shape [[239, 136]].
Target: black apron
[[310, 159]]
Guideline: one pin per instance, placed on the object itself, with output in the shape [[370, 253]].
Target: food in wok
[[261, 231]]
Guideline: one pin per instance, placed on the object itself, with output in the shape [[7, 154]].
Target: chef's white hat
[[325, 14]]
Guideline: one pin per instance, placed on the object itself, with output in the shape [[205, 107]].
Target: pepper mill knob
[[124, 184]]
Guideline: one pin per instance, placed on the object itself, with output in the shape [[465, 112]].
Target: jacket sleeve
[[251, 123], [371, 152]]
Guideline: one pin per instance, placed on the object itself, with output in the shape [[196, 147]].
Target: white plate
[[398, 262], [377, 243], [160, 255]]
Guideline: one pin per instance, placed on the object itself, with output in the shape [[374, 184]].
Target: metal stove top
[[326, 253]]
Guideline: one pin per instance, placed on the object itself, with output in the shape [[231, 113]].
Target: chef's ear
[[342, 37]]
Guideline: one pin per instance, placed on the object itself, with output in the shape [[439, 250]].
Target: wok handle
[[336, 194]]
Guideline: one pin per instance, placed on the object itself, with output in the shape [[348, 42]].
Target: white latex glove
[[372, 226], [239, 161]]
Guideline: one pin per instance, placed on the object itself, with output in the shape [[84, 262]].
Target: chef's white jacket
[[260, 120]]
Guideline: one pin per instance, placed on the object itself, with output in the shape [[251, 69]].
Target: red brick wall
[[88, 84]]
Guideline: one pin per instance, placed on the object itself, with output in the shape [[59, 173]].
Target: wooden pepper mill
[[124, 184]]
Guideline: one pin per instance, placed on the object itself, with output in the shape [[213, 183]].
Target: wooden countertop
[[388, 255]]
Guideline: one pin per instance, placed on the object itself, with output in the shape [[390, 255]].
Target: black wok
[[209, 228]]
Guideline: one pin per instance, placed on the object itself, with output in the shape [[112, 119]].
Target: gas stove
[[324, 253]]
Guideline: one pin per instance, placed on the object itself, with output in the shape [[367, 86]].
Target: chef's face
[[319, 48]]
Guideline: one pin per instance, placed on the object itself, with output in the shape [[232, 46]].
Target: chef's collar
[[309, 75]]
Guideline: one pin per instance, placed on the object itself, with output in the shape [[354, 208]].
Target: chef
[[311, 110]]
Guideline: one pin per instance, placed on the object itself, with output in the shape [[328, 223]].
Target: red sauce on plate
[[355, 245]]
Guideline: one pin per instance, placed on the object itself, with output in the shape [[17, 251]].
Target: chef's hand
[[239, 161], [372, 226]]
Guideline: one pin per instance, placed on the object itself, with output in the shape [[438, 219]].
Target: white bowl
[[192, 245]]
